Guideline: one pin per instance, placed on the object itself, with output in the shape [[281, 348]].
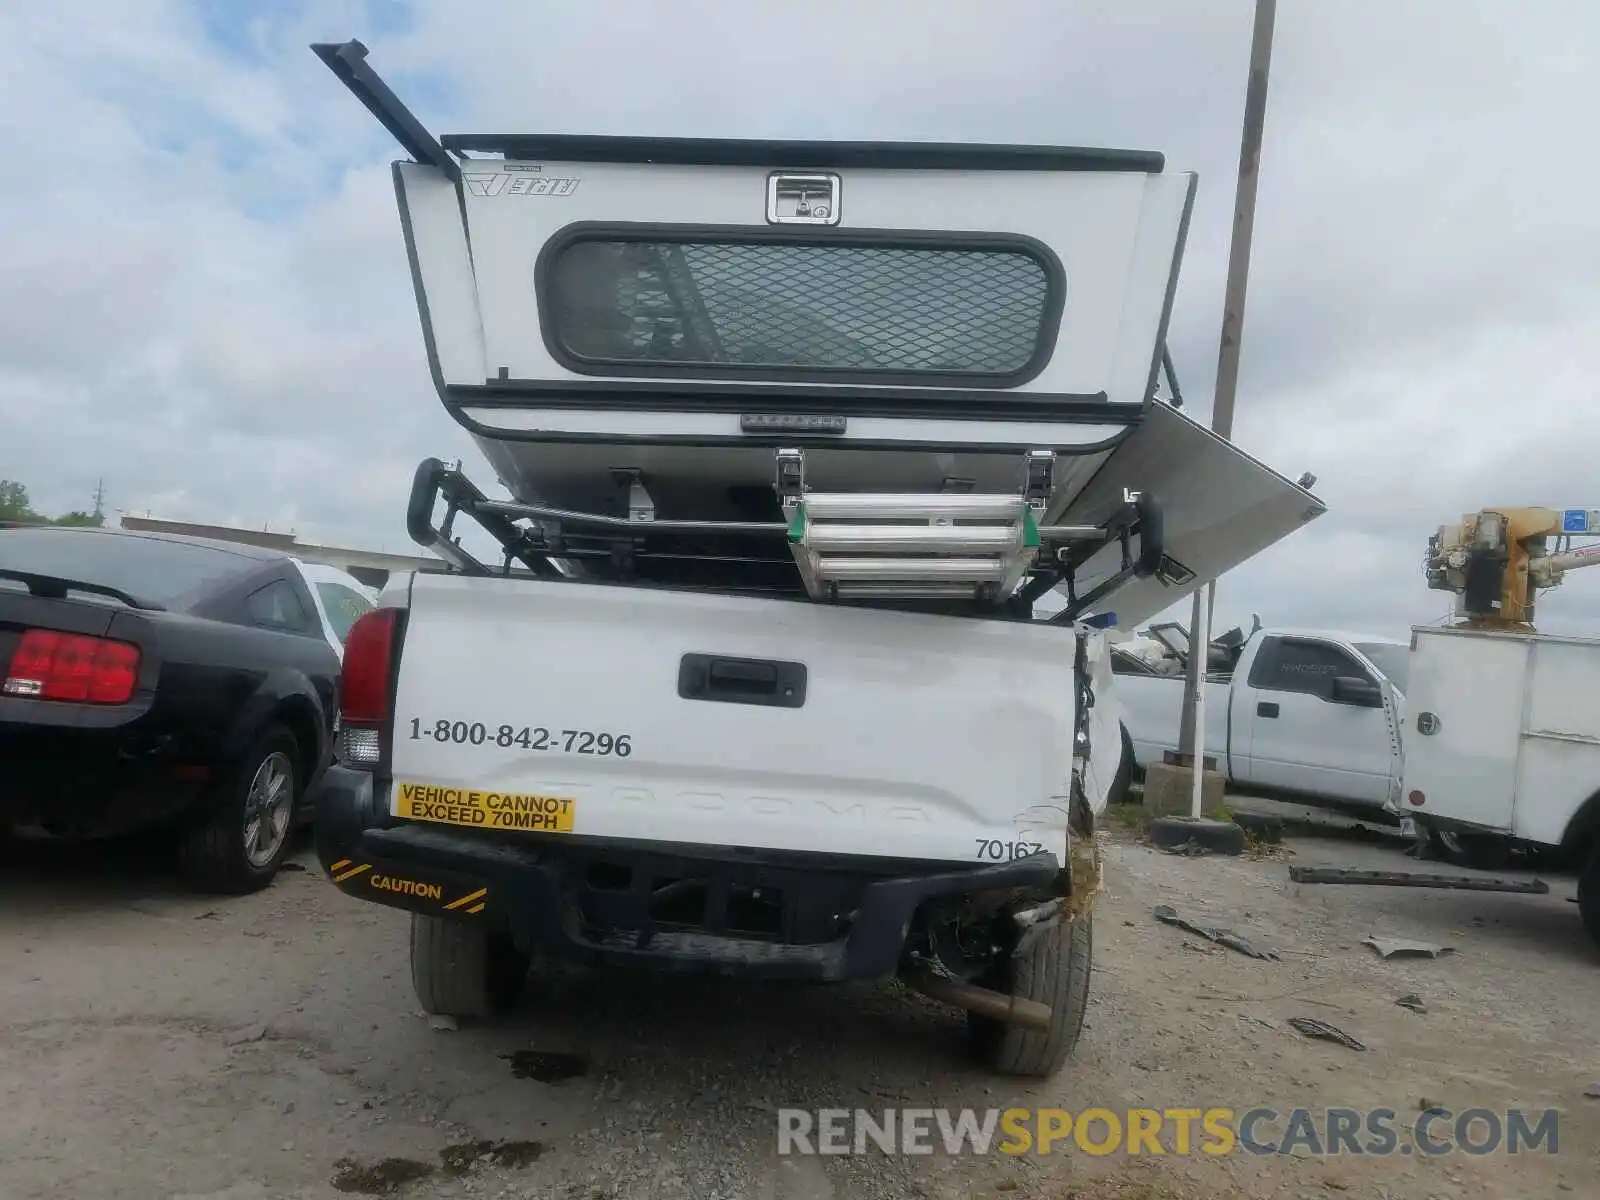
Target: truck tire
[[461, 968], [1054, 972], [1203, 833], [1479, 851], [1589, 893], [241, 838]]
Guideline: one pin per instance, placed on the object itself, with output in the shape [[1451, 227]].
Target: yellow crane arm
[[1495, 560]]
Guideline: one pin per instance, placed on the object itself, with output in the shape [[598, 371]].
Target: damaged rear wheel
[[1053, 971]]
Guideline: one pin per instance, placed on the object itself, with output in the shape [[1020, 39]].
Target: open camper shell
[[679, 355]]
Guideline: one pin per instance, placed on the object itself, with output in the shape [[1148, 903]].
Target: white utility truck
[[1503, 749], [795, 434], [1309, 714]]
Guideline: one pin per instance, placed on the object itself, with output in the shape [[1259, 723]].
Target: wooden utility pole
[[1191, 737]]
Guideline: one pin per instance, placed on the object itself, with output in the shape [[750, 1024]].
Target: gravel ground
[[157, 1044]]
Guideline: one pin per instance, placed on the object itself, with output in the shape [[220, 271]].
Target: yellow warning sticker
[[484, 810], [406, 887]]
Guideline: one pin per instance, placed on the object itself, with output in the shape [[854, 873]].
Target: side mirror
[[1362, 693]]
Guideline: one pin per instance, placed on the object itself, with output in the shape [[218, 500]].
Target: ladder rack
[[960, 551]]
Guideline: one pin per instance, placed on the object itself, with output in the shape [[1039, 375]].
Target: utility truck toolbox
[[796, 437]]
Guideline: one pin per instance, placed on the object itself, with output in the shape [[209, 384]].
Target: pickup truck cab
[[1313, 714]]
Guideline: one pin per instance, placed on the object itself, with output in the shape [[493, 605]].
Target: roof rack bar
[[545, 512], [348, 60]]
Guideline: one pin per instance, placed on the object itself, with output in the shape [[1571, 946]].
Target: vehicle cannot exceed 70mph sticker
[[484, 810]]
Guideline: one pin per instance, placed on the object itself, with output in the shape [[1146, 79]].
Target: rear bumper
[[690, 908], [91, 782]]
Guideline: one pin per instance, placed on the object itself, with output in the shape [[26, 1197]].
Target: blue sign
[[1575, 520]]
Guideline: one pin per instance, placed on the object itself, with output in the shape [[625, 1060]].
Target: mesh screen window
[[796, 308]]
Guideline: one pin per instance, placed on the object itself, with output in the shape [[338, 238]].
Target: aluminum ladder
[[914, 546]]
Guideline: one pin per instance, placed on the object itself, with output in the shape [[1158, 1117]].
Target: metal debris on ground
[[1463, 883], [1323, 1032], [1168, 915], [1412, 1001], [1406, 947]]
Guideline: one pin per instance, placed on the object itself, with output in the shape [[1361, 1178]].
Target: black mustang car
[[152, 680]]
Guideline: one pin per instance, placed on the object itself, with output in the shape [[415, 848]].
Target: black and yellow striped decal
[[481, 896], [400, 891], [343, 869]]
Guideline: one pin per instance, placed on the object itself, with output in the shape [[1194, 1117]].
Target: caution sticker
[[405, 891], [484, 810]]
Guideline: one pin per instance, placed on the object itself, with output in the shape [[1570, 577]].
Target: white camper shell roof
[[634, 321]]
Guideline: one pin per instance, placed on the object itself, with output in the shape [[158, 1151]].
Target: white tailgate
[[919, 736]]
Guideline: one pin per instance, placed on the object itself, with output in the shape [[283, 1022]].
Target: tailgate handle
[[742, 680], [1267, 708]]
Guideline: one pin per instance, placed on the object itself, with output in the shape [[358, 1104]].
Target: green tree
[[14, 505]]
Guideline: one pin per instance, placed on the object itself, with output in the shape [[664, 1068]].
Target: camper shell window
[[937, 309]]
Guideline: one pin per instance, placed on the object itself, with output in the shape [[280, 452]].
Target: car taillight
[[364, 686], [50, 665]]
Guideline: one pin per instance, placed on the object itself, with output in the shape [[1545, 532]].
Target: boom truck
[[794, 437], [1503, 748]]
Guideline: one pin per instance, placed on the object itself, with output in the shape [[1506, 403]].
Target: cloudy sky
[[204, 298]]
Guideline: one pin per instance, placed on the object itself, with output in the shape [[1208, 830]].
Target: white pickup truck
[[795, 436], [1312, 714]]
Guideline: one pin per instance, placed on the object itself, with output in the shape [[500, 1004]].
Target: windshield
[[152, 570], [343, 605], [1390, 660]]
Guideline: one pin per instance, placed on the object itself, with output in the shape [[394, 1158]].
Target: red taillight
[[368, 656], [50, 665]]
